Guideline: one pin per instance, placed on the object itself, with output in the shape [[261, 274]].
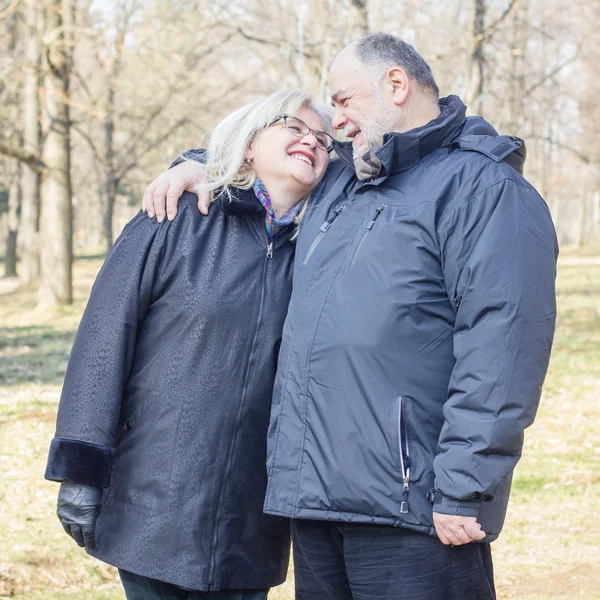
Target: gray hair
[[226, 167], [381, 51]]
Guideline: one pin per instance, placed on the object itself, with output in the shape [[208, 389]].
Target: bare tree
[[14, 202], [56, 215], [31, 179]]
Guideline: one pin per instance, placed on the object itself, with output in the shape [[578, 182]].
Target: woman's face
[[298, 163]]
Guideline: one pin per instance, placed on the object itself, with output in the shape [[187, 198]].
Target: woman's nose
[[309, 140]]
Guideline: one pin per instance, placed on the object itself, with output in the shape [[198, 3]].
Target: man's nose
[[339, 119]]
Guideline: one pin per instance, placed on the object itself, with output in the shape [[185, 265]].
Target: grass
[[551, 541]]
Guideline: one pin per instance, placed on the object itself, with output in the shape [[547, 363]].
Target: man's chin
[[359, 146], [359, 150]]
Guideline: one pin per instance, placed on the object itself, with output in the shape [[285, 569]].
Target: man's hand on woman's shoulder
[[162, 195]]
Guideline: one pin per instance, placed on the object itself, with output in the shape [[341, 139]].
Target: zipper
[[323, 230], [215, 536], [404, 463], [368, 228]]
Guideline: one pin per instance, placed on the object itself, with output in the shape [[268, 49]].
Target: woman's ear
[[249, 157]]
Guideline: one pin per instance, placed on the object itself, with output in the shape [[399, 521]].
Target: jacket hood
[[452, 128]]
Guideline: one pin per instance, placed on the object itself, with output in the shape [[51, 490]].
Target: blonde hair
[[226, 167]]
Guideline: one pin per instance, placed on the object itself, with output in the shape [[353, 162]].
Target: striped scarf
[[274, 225]]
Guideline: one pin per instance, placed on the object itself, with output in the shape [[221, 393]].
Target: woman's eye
[[294, 128]]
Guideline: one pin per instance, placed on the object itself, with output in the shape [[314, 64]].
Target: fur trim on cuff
[[79, 462]]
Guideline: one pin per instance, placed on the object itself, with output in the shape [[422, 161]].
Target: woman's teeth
[[302, 157]]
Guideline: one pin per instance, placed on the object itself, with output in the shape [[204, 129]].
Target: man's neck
[[418, 115]]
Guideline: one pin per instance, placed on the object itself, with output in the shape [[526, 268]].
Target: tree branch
[[489, 31], [550, 75], [586, 158], [32, 160], [147, 149], [11, 8]]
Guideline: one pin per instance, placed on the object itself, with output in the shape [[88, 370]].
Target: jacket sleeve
[[88, 415], [499, 254], [197, 154]]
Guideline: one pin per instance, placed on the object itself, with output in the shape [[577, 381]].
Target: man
[[416, 343]]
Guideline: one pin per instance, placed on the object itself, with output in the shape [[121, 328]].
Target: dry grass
[[551, 543]]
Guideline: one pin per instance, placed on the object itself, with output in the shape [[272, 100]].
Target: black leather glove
[[78, 509]]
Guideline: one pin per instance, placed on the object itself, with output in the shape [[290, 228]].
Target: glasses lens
[[300, 129], [296, 126], [323, 139]]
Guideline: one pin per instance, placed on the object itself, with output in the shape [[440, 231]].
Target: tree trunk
[[14, 200], [515, 103], [57, 217], [477, 67], [111, 195], [30, 180], [363, 16], [109, 156]]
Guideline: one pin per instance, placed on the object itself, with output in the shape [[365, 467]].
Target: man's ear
[[398, 82]]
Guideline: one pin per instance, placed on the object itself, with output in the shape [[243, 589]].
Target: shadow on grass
[[36, 354], [90, 257]]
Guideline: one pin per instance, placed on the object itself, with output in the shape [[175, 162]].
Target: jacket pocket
[[366, 233], [322, 231], [403, 453], [132, 406]]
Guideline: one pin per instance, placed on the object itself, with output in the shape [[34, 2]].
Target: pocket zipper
[[368, 228], [322, 231], [403, 464]]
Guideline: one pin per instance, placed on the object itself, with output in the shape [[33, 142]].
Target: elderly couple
[[361, 380]]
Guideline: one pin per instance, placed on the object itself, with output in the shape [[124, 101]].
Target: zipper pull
[[404, 503], [327, 224], [270, 250], [375, 217]]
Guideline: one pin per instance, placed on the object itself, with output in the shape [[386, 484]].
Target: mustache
[[349, 129]]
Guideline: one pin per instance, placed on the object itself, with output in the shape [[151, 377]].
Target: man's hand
[[78, 508], [164, 192], [457, 530]]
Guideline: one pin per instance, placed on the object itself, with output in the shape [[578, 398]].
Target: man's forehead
[[346, 72]]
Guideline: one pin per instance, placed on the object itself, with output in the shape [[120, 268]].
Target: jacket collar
[[242, 202], [401, 151]]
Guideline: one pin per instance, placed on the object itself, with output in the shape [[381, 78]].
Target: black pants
[[143, 588], [339, 561]]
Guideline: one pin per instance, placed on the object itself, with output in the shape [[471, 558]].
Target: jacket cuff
[[451, 506], [197, 154], [79, 462]]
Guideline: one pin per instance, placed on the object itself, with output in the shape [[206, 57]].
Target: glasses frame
[[285, 117]]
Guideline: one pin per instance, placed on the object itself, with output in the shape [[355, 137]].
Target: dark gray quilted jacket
[[167, 396], [418, 334]]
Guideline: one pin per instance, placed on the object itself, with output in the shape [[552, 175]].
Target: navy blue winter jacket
[[167, 397], [418, 335]]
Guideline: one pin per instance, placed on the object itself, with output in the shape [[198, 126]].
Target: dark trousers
[[351, 561], [143, 588]]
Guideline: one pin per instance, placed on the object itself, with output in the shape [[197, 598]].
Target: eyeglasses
[[300, 129]]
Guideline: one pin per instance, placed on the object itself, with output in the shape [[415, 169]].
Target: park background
[[98, 96]]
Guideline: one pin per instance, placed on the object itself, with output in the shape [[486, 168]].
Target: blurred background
[[98, 96]]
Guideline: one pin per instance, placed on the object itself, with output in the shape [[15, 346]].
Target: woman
[[161, 430]]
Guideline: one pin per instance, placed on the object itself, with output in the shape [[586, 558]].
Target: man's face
[[360, 108]]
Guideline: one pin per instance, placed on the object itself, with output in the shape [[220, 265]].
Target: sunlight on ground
[[550, 547]]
